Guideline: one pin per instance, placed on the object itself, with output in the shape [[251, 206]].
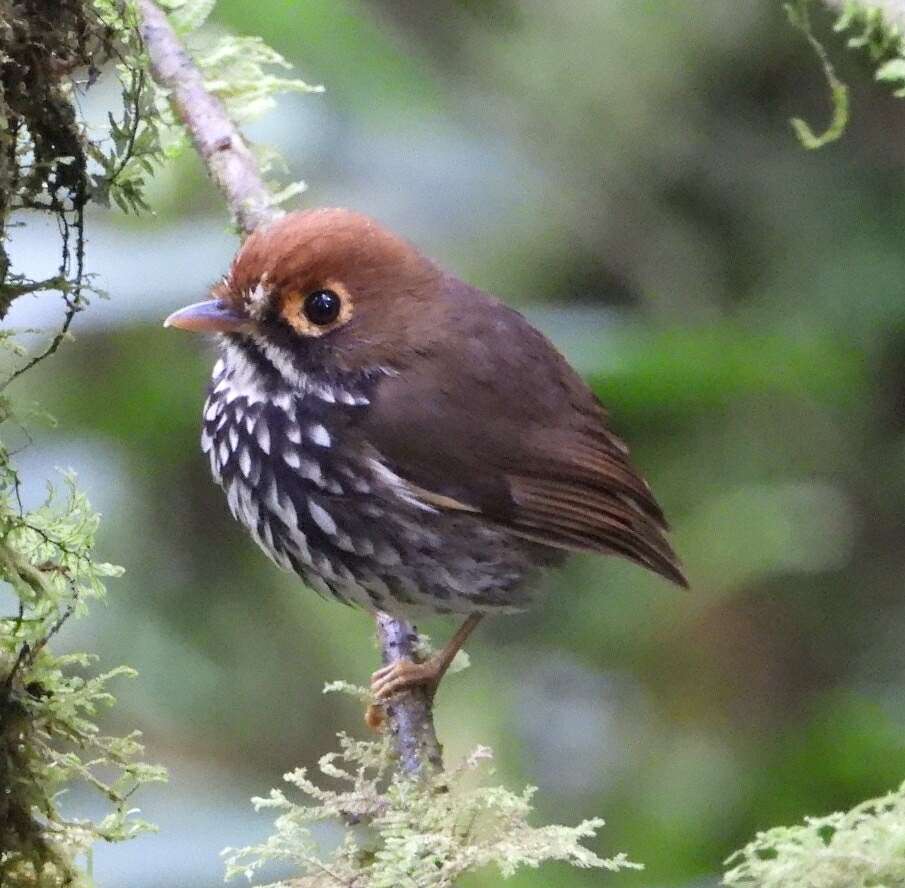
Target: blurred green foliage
[[625, 172]]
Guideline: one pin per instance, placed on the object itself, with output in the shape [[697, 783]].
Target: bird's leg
[[403, 675]]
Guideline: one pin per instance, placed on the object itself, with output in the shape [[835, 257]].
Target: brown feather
[[491, 417], [576, 518]]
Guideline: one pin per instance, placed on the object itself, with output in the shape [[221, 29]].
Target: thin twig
[[410, 714], [233, 168], [10, 292], [223, 150], [72, 308], [73, 298]]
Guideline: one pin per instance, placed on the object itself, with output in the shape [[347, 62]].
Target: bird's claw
[[404, 675]]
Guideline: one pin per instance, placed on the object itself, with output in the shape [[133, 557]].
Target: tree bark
[[232, 166]]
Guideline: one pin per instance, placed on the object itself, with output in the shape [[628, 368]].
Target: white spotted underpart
[[322, 518], [319, 435], [318, 500]]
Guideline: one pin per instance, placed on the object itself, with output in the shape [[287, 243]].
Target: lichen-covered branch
[[427, 834], [236, 173]]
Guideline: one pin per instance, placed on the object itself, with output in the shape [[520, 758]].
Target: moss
[[42, 146], [48, 740]]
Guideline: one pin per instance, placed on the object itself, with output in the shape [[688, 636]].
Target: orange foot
[[404, 675], [398, 677]]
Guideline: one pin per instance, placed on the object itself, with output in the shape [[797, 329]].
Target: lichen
[[48, 738], [861, 848], [404, 832]]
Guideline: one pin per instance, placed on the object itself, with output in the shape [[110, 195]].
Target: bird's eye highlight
[[322, 307]]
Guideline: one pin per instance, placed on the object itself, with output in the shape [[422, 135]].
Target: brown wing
[[493, 420]]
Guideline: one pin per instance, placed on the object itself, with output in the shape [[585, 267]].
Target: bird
[[403, 441]]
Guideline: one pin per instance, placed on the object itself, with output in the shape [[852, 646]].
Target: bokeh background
[[624, 172]]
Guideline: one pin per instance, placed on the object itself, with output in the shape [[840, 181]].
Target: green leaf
[[892, 70]]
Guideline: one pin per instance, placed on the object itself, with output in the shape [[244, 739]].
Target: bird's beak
[[211, 316]]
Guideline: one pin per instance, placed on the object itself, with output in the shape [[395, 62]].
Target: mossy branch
[[49, 738]]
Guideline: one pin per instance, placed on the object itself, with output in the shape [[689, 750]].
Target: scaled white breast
[[238, 378]]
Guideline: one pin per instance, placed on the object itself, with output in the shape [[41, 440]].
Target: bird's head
[[326, 288]]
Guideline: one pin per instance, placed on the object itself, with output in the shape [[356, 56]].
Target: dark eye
[[322, 307]]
